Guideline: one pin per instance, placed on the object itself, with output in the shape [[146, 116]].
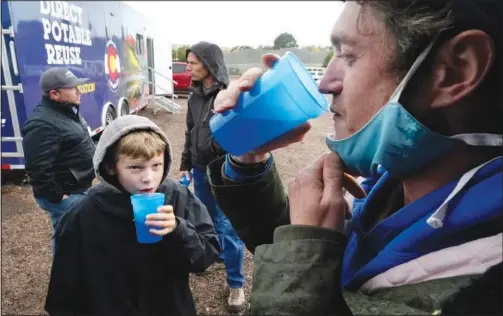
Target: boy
[[99, 268]]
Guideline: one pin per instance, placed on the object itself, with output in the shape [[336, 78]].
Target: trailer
[[106, 41]]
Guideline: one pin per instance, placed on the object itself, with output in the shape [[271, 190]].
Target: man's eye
[[158, 165], [134, 167], [349, 59]]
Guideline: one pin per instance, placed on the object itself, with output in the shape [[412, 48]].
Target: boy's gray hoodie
[[114, 132], [99, 268]]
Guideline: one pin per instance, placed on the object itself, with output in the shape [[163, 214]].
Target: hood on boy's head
[[212, 57], [114, 132]]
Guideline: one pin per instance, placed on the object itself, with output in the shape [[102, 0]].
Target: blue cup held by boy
[[283, 98], [143, 205]]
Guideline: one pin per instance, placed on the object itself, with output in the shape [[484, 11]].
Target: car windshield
[[179, 68]]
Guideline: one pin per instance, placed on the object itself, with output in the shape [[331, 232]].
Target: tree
[[285, 40], [237, 48], [328, 58], [266, 47], [235, 71], [178, 54]]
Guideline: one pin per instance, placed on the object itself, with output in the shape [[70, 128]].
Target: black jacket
[[200, 147], [58, 151], [99, 268]]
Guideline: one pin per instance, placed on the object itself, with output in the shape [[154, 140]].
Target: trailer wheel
[[124, 109], [16, 177], [110, 115]]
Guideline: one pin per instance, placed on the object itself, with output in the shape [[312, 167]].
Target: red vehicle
[[181, 76]]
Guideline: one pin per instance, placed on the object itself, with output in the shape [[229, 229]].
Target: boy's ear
[[110, 170]]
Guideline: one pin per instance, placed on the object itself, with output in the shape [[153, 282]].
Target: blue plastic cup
[[186, 182], [283, 98], [143, 205]]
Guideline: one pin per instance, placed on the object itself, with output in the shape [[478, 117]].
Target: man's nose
[[331, 82]]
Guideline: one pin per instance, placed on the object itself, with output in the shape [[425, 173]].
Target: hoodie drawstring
[[437, 218]]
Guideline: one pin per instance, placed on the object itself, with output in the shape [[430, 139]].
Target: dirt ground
[[26, 232]]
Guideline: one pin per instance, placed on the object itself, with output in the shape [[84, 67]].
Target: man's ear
[[462, 65], [53, 94]]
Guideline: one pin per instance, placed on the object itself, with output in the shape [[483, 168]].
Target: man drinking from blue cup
[[417, 104]]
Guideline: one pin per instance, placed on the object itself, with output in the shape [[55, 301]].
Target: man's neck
[[208, 82], [444, 170]]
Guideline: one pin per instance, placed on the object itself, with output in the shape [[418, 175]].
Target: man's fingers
[[332, 174], [251, 76], [315, 169], [294, 136], [227, 99], [246, 81], [223, 98], [333, 171], [269, 59]]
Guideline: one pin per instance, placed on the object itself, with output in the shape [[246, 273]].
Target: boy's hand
[[164, 221]]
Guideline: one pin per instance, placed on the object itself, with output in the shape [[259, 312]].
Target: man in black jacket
[[57, 146], [209, 76]]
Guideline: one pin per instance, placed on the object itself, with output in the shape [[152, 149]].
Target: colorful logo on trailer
[[112, 66]]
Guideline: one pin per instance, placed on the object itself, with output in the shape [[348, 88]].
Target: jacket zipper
[[84, 127], [201, 121]]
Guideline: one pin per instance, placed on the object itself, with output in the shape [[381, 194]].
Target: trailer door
[[12, 147], [150, 63]]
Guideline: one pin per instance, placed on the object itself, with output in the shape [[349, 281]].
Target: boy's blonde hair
[[144, 144]]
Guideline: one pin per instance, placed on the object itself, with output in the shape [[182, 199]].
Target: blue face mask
[[399, 143]]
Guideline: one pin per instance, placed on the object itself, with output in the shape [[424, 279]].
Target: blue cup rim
[[291, 57], [147, 196]]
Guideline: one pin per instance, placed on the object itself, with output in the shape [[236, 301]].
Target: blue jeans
[[57, 210], [232, 246]]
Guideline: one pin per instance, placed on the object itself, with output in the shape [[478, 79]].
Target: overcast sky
[[243, 22]]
